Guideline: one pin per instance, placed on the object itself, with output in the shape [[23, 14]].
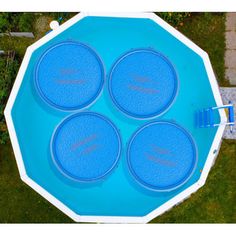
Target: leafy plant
[[174, 18], [61, 16], [4, 22], [8, 70], [26, 22], [16, 22]]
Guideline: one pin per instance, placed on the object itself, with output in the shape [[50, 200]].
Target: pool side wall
[[115, 219]]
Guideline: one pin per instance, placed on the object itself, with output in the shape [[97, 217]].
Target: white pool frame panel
[[116, 219]]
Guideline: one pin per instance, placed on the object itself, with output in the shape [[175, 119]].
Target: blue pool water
[[35, 122]]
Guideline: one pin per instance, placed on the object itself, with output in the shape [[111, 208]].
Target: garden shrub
[[13, 22], [174, 18], [26, 22], [7, 77], [63, 16], [4, 22]]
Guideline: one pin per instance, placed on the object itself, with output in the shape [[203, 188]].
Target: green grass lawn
[[214, 202], [207, 31], [18, 202]]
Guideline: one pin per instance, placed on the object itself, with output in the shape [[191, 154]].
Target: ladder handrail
[[207, 118]]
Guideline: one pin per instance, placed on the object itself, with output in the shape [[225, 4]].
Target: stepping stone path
[[229, 94], [230, 54]]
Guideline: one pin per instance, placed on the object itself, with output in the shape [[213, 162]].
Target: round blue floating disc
[[69, 76], [86, 146], [143, 83], [162, 156]]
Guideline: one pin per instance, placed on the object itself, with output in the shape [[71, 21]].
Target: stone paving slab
[[230, 73], [230, 58], [231, 21], [19, 34], [229, 94], [230, 53], [231, 40]]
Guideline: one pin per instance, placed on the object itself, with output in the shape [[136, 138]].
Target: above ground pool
[[102, 117]]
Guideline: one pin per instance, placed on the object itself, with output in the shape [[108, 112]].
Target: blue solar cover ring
[[86, 146], [143, 83], [69, 76], [162, 156]]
